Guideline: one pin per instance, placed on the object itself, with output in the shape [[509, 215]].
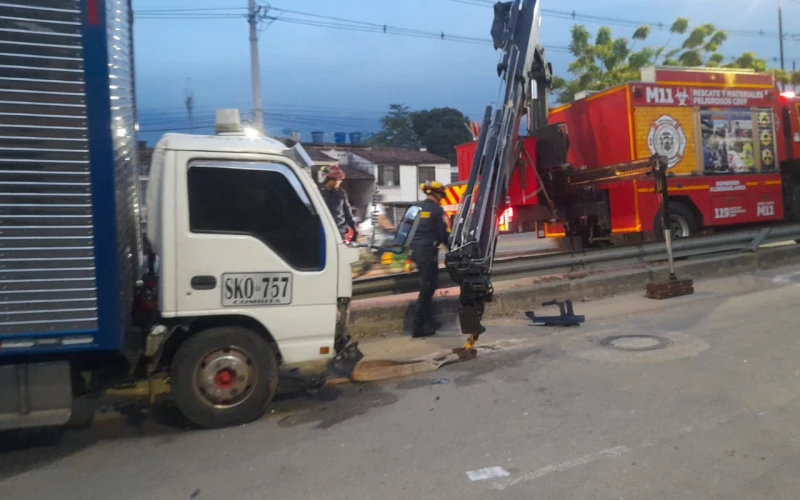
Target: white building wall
[[442, 173], [409, 183], [408, 191]]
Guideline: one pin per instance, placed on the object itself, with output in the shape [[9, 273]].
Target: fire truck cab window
[[261, 203]]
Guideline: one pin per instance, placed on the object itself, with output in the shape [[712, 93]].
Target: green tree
[[397, 130], [607, 61], [795, 79], [440, 130]]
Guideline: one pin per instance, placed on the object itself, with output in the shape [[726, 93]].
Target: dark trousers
[[427, 260]]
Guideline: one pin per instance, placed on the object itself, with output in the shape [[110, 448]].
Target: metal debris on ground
[[567, 316], [383, 369], [345, 362]]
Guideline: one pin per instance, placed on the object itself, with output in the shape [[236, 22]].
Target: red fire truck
[[731, 137]]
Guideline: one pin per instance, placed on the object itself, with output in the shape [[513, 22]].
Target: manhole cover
[[635, 342]]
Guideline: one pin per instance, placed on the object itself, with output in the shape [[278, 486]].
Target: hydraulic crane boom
[[526, 81]]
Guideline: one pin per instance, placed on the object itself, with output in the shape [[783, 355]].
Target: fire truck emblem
[[666, 138], [682, 96]]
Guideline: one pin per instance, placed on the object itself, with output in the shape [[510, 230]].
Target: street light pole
[[255, 69], [780, 30]]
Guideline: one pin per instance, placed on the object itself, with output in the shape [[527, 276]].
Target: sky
[[343, 80]]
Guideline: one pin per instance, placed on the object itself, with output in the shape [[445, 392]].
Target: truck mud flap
[[35, 395]]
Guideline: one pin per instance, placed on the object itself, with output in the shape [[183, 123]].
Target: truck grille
[[47, 262]]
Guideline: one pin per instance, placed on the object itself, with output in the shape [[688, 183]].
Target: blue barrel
[[317, 137], [340, 138], [355, 137]]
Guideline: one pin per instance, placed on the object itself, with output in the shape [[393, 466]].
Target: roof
[[356, 174], [319, 156], [223, 143], [399, 156]]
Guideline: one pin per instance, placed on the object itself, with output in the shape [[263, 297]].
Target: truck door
[[250, 242]]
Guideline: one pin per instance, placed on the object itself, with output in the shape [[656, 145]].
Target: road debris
[[487, 473], [567, 316]]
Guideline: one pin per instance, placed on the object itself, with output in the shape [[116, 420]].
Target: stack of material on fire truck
[[730, 136]]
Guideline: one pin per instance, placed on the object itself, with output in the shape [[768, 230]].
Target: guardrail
[[533, 265]]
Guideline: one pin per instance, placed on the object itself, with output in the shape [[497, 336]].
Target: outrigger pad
[[344, 363], [667, 289], [566, 318]]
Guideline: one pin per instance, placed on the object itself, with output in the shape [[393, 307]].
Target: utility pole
[[190, 104], [780, 29], [253, 14]]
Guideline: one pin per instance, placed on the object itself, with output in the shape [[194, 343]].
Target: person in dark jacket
[[431, 233], [336, 199]]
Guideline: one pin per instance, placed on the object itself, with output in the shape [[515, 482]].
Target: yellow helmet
[[430, 187]]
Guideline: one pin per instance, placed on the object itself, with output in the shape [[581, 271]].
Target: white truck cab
[[252, 269]]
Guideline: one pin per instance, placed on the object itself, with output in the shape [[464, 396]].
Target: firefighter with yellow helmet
[[431, 233]]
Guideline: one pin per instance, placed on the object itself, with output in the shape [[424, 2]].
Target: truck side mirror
[[407, 227]]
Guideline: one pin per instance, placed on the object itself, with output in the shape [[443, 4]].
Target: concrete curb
[[380, 316]]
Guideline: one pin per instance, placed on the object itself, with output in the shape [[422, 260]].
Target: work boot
[[425, 331]]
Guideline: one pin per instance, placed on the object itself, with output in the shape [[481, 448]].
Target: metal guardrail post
[[758, 240]]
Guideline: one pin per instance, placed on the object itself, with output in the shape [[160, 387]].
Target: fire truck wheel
[[683, 222], [224, 376]]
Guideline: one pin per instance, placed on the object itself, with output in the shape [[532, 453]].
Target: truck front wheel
[[683, 222], [224, 376]]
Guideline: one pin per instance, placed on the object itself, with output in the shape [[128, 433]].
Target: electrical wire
[[332, 22], [615, 21]]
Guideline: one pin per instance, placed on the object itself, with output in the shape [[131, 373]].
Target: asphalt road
[[714, 415]]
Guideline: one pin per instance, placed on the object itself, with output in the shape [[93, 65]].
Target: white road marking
[[487, 473], [785, 279], [614, 452]]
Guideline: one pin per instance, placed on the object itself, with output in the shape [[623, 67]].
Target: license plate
[[256, 289]]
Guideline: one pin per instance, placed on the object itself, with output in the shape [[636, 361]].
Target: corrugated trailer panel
[[68, 182]]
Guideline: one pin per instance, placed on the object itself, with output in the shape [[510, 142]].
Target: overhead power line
[[322, 21], [234, 12], [631, 23]]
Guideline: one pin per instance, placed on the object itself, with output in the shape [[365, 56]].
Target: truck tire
[[684, 222], [224, 376]]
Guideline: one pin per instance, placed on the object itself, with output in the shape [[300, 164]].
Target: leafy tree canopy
[[606, 61], [437, 129], [440, 130], [396, 130]]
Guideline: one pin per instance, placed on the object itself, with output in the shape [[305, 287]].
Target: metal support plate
[[35, 395]]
